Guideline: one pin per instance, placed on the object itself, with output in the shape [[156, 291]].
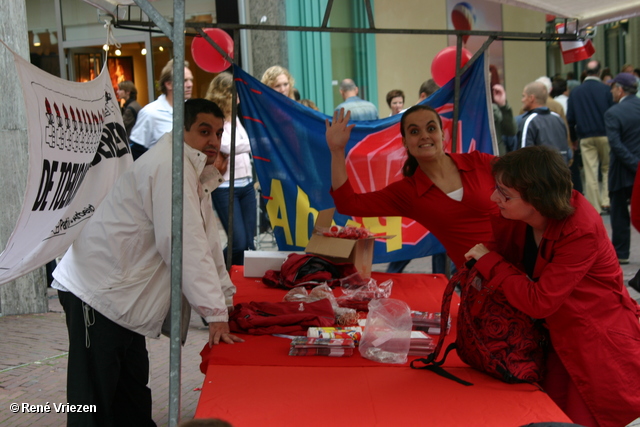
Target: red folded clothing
[[309, 270], [261, 318]]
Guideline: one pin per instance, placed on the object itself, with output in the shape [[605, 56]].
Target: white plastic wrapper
[[387, 332]]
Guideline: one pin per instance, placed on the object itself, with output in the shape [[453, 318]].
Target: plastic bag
[[358, 292], [344, 316], [387, 332]]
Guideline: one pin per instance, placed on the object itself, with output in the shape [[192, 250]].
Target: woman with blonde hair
[[279, 79], [244, 195]]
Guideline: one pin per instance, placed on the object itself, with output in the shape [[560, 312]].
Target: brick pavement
[[33, 367], [33, 358]]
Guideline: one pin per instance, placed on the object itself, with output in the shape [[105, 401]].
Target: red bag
[[307, 270], [263, 318], [492, 336]]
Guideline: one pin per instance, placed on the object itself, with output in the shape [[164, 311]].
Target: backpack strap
[[431, 365], [430, 362]]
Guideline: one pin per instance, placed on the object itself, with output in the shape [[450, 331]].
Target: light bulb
[[36, 39], [143, 51], [118, 52], [161, 49], [105, 48]]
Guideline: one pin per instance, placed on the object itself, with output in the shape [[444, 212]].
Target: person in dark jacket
[[541, 126], [622, 122], [585, 114], [127, 91]]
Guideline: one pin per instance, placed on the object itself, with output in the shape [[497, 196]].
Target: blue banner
[[293, 163]]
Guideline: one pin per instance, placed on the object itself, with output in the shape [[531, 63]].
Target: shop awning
[[587, 12]]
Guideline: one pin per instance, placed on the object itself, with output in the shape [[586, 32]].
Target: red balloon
[[206, 56], [443, 66]]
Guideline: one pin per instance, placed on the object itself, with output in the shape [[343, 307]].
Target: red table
[[256, 383]]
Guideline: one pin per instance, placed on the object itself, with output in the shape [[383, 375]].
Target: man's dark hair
[[128, 86], [428, 87], [195, 106], [559, 86]]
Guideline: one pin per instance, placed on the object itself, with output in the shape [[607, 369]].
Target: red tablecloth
[[256, 383]]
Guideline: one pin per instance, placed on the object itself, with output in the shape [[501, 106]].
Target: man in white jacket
[[114, 281]]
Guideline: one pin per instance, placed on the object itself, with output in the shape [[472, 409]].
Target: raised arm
[[337, 134]]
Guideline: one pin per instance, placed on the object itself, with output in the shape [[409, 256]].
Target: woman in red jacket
[[554, 260], [447, 193]]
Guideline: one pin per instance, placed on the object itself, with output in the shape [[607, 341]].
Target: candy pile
[[347, 232]]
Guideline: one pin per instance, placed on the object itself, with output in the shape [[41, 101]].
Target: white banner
[[77, 149]]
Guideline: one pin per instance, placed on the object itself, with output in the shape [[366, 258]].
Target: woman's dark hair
[[541, 176], [606, 72], [394, 94], [195, 106], [411, 164]]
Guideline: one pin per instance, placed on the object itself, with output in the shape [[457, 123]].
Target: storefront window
[[43, 36]]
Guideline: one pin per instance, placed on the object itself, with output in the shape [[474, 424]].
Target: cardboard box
[[359, 252], [256, 263]]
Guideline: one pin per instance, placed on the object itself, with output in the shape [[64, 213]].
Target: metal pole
[[500, 35], [456, 94], [245, 38], [232, 159], [175, 359]]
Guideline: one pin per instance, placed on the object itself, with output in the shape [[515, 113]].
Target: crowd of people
[[520, 213]]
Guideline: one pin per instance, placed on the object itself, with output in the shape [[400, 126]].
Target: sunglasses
[[503, 196]]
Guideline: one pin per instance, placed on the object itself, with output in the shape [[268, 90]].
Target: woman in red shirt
[[446, 193], [554, 260]]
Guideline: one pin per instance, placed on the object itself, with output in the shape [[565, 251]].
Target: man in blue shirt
[[156, 118], [360, 109]]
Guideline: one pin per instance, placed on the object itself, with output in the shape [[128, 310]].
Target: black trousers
[[137, 150], [621, 221], [108, 367]]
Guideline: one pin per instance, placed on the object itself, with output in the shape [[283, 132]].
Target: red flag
[[574, 51]]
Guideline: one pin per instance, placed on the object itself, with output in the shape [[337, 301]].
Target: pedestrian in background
[[127, 91], [244, 193]]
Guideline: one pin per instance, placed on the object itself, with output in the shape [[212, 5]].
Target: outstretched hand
[[219, 331], [338, 130]]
